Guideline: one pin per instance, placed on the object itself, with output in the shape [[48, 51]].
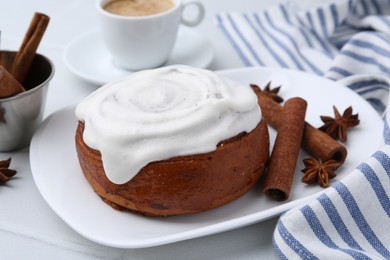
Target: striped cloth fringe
[[349, 42]]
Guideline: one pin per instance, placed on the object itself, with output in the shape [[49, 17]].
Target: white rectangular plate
[[58, 176]]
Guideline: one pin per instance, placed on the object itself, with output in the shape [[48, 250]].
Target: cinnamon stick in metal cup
[[283, 161], [29, 46], [315, 142], [9, 86]]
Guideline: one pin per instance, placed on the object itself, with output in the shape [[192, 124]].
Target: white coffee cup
[[143, 42]]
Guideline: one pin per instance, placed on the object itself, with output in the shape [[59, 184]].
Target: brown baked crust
[[183, 184]]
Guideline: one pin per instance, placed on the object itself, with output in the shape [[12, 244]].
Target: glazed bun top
[[161, 113]]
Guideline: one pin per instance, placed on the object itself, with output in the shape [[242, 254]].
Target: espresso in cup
[[138, 7], [143, 40]]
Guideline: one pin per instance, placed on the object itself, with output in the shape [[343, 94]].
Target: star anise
[[5, 172], [271, 93], [316, 171], [337, 127]]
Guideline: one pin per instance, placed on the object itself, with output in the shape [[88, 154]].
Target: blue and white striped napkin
[[349, 42]]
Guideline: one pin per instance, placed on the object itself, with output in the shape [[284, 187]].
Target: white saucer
[[87, 57]]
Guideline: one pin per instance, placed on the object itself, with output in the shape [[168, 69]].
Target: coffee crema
[[138, 7]]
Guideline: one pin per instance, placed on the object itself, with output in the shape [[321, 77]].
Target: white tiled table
[[29, 229]]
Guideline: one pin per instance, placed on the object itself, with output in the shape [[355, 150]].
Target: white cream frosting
[[157, 114]]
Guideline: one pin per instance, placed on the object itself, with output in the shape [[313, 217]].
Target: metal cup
[[21, 114]]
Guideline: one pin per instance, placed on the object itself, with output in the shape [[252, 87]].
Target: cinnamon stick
[[25, 56], [284, 156], [315, 142], [9, 86]]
